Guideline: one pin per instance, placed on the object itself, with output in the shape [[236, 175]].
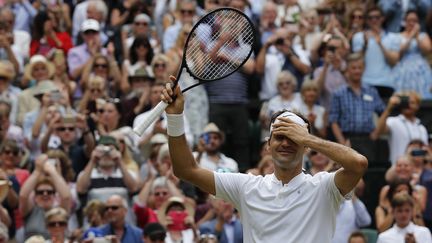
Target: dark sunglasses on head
[[45, 192], [53, 224], [10, 152], [62, 129], [187, 11]]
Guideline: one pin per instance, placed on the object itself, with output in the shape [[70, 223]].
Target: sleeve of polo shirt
[[229, 186], [358, 42], [330, 188], [73, 60], [379, 104]]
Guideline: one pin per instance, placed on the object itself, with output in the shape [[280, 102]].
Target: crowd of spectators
[[76, 76]]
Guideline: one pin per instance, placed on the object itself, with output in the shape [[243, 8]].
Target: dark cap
[[153, 229], [108, 140]]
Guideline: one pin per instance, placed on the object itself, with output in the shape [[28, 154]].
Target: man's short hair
[[375, 8], [356, 234], [353, 57], [402, 198]]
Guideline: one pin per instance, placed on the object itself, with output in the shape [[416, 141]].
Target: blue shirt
[[131, 234], [377, 70], [354, 113], [24, 13]]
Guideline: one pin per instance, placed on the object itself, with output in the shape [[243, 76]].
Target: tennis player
[[287, 206]]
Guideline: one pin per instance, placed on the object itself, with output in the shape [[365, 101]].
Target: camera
[[404, 102], [279, 41], [418, 152], [53, 162], [69, 118], [331, 48], [106, 150]]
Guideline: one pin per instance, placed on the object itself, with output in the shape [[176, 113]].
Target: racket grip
[[153, 116]]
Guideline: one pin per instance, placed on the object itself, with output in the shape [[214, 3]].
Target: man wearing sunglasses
[[116, 210], [380, 50]]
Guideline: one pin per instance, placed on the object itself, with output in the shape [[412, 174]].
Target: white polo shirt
[[402, 131], [304, 210], [397, 235]]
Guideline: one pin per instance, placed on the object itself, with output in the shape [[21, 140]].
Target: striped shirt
[[354, 113], [229, 90]]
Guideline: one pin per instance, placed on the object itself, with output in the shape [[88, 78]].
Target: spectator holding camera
[[38, 195], [68, 127], [106, 174], [404, 127], [56, 220], [209, 155]]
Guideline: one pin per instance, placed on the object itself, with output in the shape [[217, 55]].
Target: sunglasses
[[187, 11], [157, 194], [101, 111], [158, 236], [141, 23], [45, 192], [53, 224], [97, 65], [62, 129], [160, 65], [357, 16], [374, 17], [95, 90], [113, 208], [3, 78], [10, 152]]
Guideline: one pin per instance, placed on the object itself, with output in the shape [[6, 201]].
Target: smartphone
[[404, 102], [418, 152], [53, 162], [56, 96], [206, 138], [178, 218], [279, 41]]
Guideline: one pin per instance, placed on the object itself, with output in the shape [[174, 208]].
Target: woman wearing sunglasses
[[56, 223], [39, 194]]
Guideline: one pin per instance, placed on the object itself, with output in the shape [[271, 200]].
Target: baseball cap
[[90, 24]]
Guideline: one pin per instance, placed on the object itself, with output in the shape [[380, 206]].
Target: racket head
[[227, 25]]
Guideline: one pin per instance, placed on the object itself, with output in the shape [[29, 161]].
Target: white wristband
[[175, 125]]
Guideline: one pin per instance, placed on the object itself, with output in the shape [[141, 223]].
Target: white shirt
[[224, 162], [402, 131], [351, 217], [397, 235], [318, 110], [304, 210]]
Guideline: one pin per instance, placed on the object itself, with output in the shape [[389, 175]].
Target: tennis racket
[[218, 45]]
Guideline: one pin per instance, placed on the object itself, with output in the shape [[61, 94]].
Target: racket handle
[[153, 116]]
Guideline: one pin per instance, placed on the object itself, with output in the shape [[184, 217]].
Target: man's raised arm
[[184, 164]]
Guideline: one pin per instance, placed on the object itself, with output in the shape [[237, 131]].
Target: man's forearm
[[181, 157], [129, 181]]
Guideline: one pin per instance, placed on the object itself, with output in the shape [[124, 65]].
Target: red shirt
[[37, 48]]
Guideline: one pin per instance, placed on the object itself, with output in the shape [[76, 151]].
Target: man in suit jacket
[[226, 227]]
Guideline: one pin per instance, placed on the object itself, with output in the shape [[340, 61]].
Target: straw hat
[[35, 60], [212, 128], [7, 70], [4, 189], [162, 212]]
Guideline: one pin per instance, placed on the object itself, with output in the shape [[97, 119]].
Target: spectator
[[316, 114], [91, 9], [7, 90], [80, 56], [357, 237], [402, 128], [267, 25], [116, 210], [21, 39], [187, 13], [106, 165], [61, 77], [45, 189], [318, 162], [226, 226], [104, 66], [356, 22], [352, 109], [137, 100], [266, 166], [66, 128], [56, 220], [404, 229], [394, 12], [330, 77], [125, 144], [209, 155], [381, 50], [95, 91], [8, 51], [178, 218], [140, 27], [47, 36], [110, 117], [150, 155], [11, 131], [38, 69], [94, 212], [154, 233], [413, 71], [140, 57], [160, 66], [24, 13]]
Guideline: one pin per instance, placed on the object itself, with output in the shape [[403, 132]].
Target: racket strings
[[230, 55]]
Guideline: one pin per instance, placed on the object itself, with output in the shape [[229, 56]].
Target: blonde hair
[[57, 211], [96, 81], [287, 76], [412, 94]]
